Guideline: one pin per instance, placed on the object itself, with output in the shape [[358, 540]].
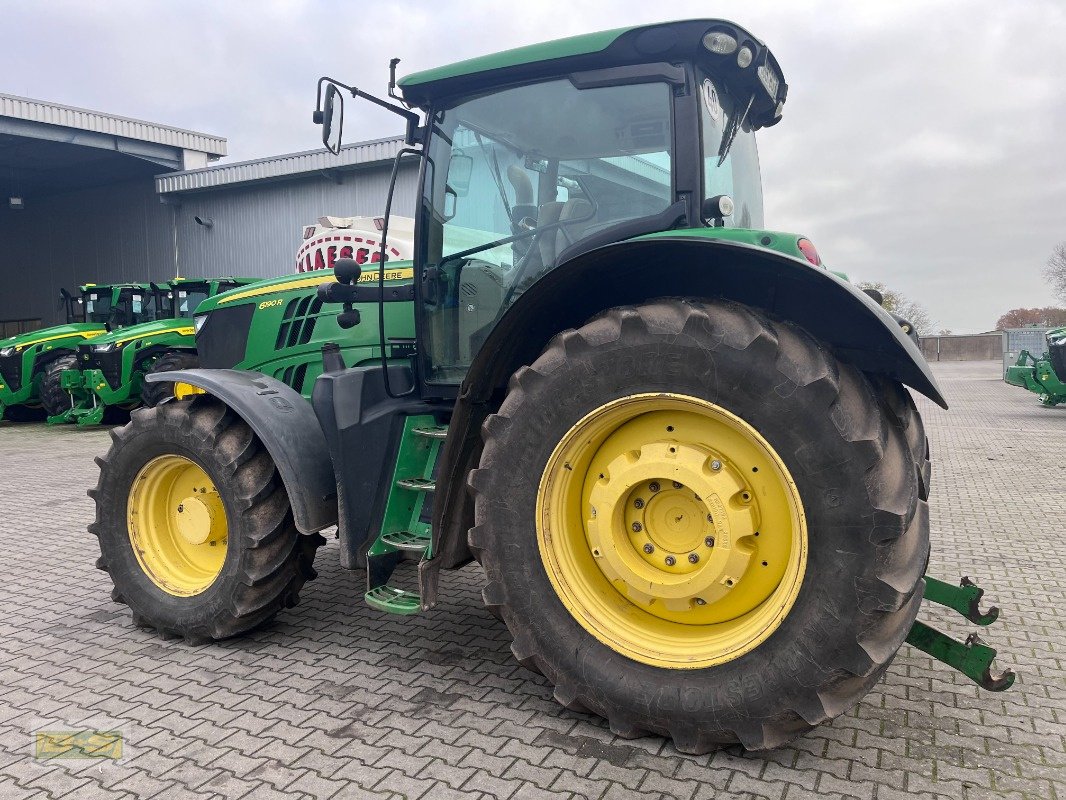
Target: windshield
[[188, 298], [97, 306], [516, 177], [738, 173]]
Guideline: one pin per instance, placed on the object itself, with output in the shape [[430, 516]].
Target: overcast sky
[[923, 143]]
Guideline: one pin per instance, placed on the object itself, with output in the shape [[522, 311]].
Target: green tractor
[[1045, 375], [680, 448], [109, 371], [31, 363]]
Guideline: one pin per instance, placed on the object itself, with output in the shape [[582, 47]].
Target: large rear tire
[[778, 438], [194, 524], [54, 398]]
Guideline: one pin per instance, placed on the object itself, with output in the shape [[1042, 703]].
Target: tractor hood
[[84, 330], [182, 327]]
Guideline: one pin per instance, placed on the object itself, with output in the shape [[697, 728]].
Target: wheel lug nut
[[649, 549], [710, 518], [693, 558], [716, 465], [638, 503], [700, 601], [709, 541], [181, 508], [637, 527], [670, 561], [653, 486], [677, 484]]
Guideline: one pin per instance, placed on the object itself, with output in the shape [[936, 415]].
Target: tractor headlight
[[744, 57], [7, 351], [104, 348], [720, 43], [198, 321]]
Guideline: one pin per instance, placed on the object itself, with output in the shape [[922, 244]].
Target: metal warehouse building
[[88, 197]]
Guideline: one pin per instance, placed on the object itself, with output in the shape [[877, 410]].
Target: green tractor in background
[[109, 371], [1046, 376], [31, 363], [679, 447]]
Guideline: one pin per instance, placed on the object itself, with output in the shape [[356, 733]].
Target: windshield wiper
[[731, 132]]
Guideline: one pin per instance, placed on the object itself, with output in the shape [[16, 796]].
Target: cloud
[[921, 144]]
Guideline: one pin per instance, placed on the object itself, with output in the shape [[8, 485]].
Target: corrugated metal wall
[[257, 228], [124, 233]]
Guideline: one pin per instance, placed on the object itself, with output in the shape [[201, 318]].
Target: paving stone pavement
[[338, 700]]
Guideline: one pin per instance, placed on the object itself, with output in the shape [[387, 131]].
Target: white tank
[[354, 237]]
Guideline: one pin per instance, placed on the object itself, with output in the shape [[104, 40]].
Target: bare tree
[[896, 302], [1055, 271], [1032, 317]]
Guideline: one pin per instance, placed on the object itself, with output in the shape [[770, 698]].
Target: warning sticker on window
[[711, 101]]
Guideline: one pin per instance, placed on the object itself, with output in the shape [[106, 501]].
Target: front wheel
[[697, 522], [54, 398], [194, 524], [155, 393]]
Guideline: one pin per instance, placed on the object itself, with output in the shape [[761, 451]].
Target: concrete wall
[[124, 233], [978, 347]]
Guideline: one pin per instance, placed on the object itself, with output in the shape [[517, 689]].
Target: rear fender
[[286, 424], [630, 272]]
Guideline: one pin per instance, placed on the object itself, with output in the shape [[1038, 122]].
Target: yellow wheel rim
[[671, 530], [177, 525]]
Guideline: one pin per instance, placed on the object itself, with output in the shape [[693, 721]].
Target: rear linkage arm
[[973, 658]]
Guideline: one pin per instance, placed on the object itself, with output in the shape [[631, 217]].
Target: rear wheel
[[155, 393], [54, 397], [194, 525], [697, 522]]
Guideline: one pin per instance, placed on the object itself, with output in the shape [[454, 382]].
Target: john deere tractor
[[681, 450], [1046, 376], [31, 363], [109, 371]]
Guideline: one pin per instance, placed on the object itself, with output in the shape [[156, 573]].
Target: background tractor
[[32, 360], [679, 447], [1045, 375], [109, 371]]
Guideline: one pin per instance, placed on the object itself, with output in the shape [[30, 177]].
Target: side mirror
[[331, 118], [450, 202], [460, 168]]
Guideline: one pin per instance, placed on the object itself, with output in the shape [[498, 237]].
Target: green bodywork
[[133, 351], [585, 44], [1038, 375], [23, 358], [289, 324]]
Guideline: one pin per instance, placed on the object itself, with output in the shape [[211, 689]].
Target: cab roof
[[659, 42]]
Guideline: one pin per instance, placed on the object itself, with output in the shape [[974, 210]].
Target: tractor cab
[[535, 156], [120, 305]]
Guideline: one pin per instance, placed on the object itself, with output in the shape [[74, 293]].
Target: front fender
[[288, 428]]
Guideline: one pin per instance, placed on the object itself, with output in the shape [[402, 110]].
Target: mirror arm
[[410, 116]]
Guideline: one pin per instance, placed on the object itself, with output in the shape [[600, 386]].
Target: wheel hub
[[195, 516], [674, 548]]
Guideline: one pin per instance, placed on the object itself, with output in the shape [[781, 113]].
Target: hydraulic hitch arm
[[973, 658]]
